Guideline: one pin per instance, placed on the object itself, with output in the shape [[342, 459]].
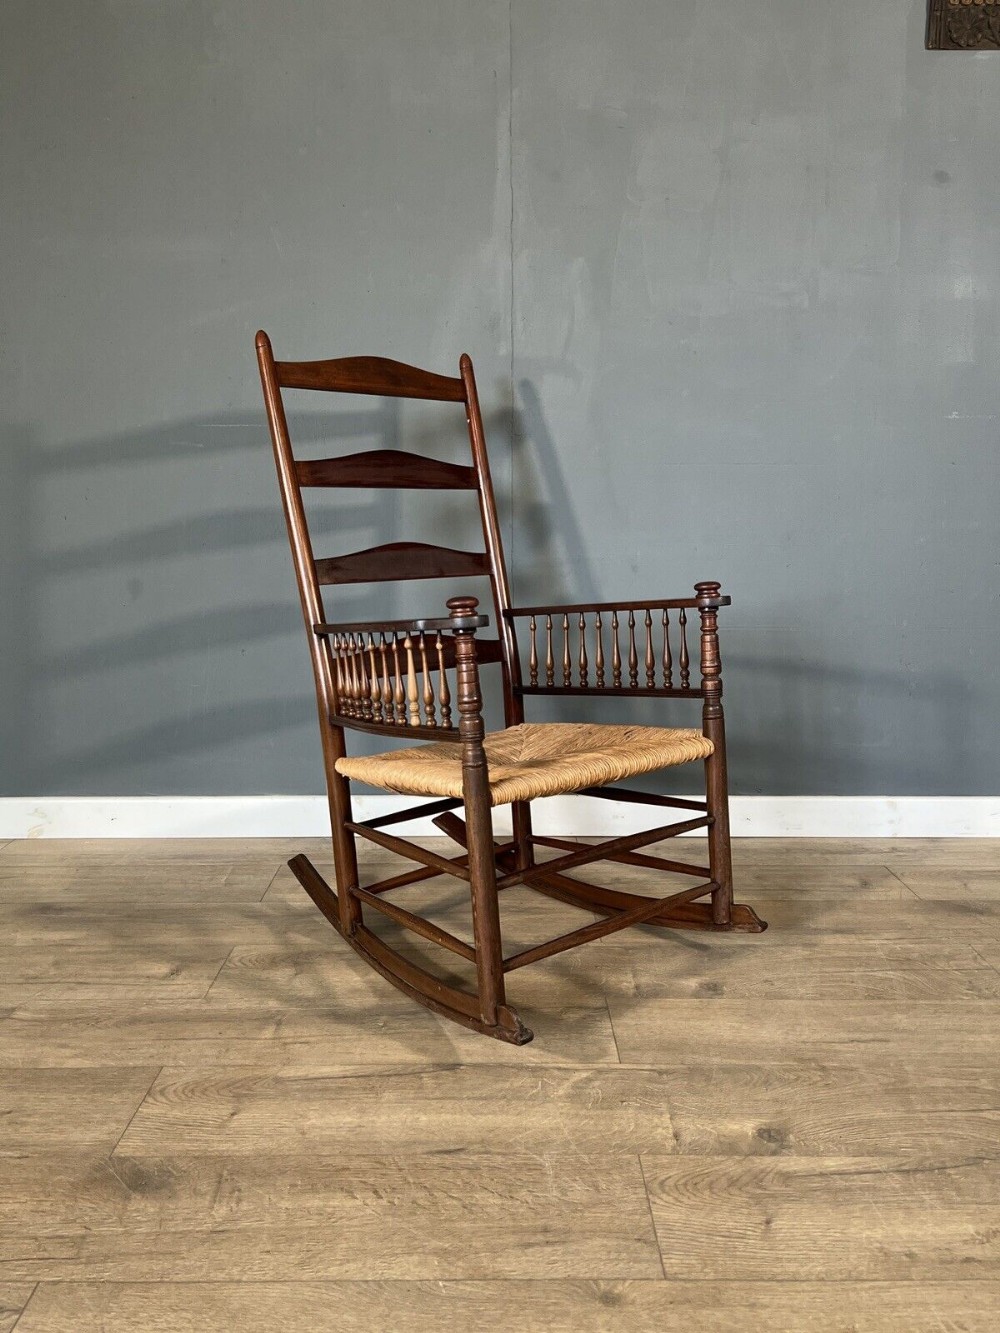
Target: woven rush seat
[[532, 760]]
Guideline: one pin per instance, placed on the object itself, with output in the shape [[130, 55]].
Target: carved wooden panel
[[963, 25]]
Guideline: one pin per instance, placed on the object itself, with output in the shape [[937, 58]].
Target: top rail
[[622, 604], [371, 375], [403, 626]]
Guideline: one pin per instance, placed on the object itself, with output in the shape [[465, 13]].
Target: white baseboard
[[307, 816]]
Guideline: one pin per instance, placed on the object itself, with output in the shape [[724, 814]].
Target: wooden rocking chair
[[380, 677]]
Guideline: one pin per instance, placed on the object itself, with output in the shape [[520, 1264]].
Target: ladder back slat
[[378, 469], [369, 374], [401, 560]]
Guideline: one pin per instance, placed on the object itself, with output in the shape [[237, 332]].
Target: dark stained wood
[[445, 732], [574, 608], [370, 375], [418, 924], [716, 778], [402, 626], [413, 852], [660, 863], [479, 828], [587, 934], [386, 468], [331, 735], [390, 678], [401, 560], [430, 991], [631, 797], [612, 691], [414, 812], [586, 855]]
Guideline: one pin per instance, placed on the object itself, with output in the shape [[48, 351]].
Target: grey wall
[[747, 255]]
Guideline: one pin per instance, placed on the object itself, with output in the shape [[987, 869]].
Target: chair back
[[381, 469]]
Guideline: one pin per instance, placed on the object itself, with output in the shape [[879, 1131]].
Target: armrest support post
[[717, 780], [711, 662], [478, 818]]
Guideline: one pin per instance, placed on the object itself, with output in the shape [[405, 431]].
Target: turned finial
[[459, 607]]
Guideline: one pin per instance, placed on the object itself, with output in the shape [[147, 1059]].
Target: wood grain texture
[[14, 1297], [414, 1108], [831, 1219], [955, 884], [270, 1032], [43, 1108], [189, 1064], [264, 1218], [555, 1306], [810, 1033]]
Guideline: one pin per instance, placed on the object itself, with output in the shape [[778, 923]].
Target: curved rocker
[[430, 991]]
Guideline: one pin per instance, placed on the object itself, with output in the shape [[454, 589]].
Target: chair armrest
[[427, 626], [634, 647], [623, 604]]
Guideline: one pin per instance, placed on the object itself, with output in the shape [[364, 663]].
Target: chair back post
[[716, 776], [479, 822], [332, 737], [513, 702]]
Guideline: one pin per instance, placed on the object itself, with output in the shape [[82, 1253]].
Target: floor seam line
[[219, 973], [24, 1307], [908, 887], [137, 1110], [652, 1218]]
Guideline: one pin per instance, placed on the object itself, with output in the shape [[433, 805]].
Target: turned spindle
[[616, 653], [428, 687], [398, 697], [375, 688], [383, 652], [583, 651], [633, 654], [364, 690], [412, 697], [668, 661], [550, 665], [567, 661], [650, 655], [684, 660], [533, 653], [338, 675], [444, 694], [352, 676], [599, 652]]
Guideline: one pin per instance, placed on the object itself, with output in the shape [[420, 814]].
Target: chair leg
[[345, 856], [521, 816], [720, 853], [494, 1010], [720, 856], [485, 909]]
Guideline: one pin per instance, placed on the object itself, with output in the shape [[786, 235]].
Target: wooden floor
[[214, 1117]]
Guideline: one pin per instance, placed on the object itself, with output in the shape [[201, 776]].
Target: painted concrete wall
[[728, 271]]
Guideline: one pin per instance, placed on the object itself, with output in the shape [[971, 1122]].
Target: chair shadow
[[144, 541]]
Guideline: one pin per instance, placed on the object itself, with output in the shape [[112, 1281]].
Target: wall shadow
[[134, 534]]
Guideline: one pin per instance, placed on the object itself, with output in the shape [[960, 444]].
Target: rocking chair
[[379, 677]]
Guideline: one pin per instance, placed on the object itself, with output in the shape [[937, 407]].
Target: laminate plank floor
[[214, 1116]]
